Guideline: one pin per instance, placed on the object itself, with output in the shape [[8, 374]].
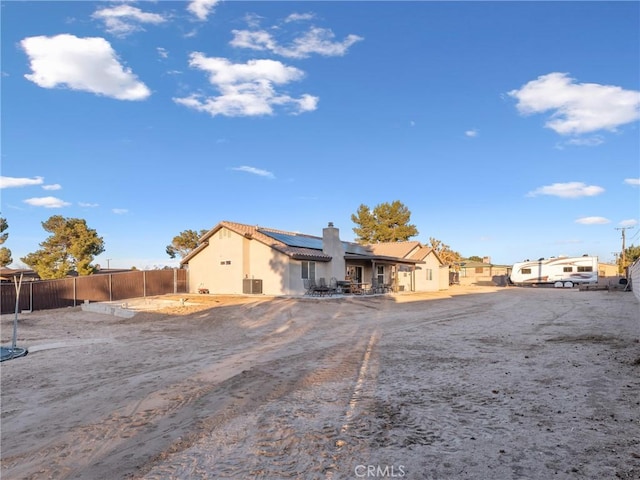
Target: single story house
[[483, 273], [428, 275], [234, 258]]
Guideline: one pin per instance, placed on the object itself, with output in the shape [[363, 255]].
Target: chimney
[[332, 245], [486, 259]]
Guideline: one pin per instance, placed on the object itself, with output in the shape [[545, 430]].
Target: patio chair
[[322, 288], [333, 285], [310, 287]]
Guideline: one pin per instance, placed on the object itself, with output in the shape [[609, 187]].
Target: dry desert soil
[[473, 383]]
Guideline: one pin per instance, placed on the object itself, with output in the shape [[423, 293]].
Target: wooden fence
[[70, 292]]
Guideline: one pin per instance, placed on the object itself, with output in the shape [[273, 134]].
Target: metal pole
[[15, 321]]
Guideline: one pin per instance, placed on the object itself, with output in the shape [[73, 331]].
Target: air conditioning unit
[[251, 285]]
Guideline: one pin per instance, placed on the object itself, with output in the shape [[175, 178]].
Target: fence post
[[74, 291], [110, 288], [31, 296], [175, 281], [144, 283]]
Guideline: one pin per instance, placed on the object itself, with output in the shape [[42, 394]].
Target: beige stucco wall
[[422, 282], [489, 275], [229, 258], [444, 277]]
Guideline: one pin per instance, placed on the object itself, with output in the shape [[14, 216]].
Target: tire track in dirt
[[284, 441]]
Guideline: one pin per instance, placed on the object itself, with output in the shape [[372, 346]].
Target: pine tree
[[184, 243], [5, 253], [388, 222], [71, 246]]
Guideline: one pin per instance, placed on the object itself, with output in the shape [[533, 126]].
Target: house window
[[567, 269], [309, 270], [429, 274], [585, 269], [479, 269], [380, 274]]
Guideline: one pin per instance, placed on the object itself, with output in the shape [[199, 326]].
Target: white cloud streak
[[246, 89], [53, 186], [593, 221], [123, 20], [254, 171], [632, 181], [567, 190], [298, 17], [315, 41], [17, 182], [88, 205], [46, 202], [119, 211], [632, 222], [577, 108], [202, 8], [85, 64], [471, 133]]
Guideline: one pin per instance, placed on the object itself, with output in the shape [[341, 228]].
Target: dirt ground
[[476, 383]]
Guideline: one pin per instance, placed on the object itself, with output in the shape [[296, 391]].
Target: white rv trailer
[[559, 271]]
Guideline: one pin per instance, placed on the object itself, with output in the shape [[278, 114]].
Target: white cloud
[[577, 107], [586, 142], [632, 181], [86, 64], [246, 89], [632, 222], [14, 182], [46, 202], [316, 40], [471, 133], [297, 17], [202, 8], [567, 190], [162, 52], [123, 20], [88, 205], [53, 186], [254, 171], [593, 221], [119, 211]]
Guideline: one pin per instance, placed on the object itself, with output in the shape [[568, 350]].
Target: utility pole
[[624, 247]]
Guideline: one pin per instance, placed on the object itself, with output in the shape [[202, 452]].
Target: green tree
[[71, 246], [184, 243], [5, 253], [387, 222], [631, 254], [448, 256], [475, 258]]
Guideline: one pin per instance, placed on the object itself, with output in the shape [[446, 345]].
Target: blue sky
[[509, 129]]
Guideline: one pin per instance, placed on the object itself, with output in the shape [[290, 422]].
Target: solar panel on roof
[[295, 240], [355, 248]]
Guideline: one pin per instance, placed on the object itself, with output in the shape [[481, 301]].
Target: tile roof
[[394, 249], [256, 232], [387, 251]]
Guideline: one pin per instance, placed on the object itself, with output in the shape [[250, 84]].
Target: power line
[[624, 254]]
